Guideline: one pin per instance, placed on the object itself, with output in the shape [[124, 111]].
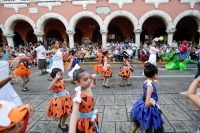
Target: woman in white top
[[57, 55], [153, 51]]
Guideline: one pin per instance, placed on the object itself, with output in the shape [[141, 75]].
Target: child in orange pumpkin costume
[[84, 118], [60, 106], [68, 60], [98, 67], [125, 71], [23, 71], [14, 119], [107, 72]]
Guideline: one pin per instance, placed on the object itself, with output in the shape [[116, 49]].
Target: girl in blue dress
[[146, 111]]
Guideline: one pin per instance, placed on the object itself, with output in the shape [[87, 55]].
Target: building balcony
[[15, 1], [191, 2]]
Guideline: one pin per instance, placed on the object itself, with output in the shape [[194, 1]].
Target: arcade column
[[137, 37], [137, 40], [9, 39], [71, 38], [104, 40], [170, 34], [39, 37]]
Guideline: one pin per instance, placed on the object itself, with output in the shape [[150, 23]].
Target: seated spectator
[[115, 54], [87, 55], [168, 49], [193, 54], [93, 55]]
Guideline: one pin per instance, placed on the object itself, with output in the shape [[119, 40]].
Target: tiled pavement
[[114, 104]]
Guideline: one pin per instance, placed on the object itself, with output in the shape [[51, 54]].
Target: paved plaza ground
[[114, 104]]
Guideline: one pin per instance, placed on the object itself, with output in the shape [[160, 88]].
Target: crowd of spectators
[[89, 52]]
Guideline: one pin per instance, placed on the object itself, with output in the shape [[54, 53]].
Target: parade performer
[[60, 106], [7, 92], [125, 71], [7, 79], [145, 111], [153, 51], [183, 50], [107, 72], [84, 118], [57, 55], [50, 65], [14, 119], [23, 72], [98, 68], [68, 60], [178, 60], [74, 60]]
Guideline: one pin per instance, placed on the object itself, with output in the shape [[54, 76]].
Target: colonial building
[[77, 21]]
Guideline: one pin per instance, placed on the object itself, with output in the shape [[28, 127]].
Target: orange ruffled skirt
[[107, 73], [67, 64], [85, 125], [22, 70], [125, 72], [60, 106], [98, 68]]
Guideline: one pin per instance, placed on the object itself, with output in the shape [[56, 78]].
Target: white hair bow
[[149, 83], [4, 112], [94, 115], [76, 67], [78, 96]]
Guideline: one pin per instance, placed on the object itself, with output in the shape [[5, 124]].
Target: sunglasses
[[1, 51]]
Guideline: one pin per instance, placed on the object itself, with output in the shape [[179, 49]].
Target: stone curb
[[119, 63]]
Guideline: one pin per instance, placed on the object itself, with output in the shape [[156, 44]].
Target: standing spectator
[[174, 45], [108, 45], [126, 44], [41, 58], [129, 51], [134, 47]]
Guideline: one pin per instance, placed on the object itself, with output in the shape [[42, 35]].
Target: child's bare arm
[[53, 83], [74, 117], [148, 96], [68, 80], [192, 92], [94, 80], [6, 80]]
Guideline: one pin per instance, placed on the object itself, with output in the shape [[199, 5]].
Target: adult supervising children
[[41, 58]]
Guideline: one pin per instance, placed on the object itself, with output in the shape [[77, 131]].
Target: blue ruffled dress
[[75, 61], [147, 117]]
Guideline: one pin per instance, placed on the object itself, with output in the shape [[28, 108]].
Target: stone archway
[[157, 13], [31, 37], [119, 13], [44, 19], [11, 21], [53, 33], [75, 19], [192, 13]]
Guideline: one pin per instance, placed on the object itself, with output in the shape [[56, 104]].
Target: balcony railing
[[38, 1], [14, 1]]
